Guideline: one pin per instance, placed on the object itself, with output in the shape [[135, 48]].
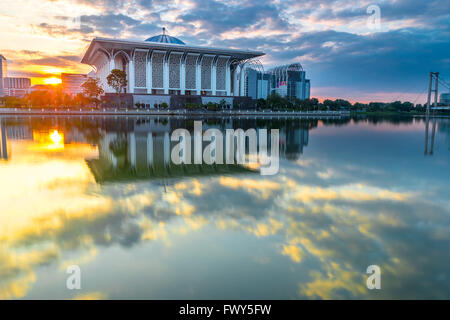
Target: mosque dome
[[164, 38]]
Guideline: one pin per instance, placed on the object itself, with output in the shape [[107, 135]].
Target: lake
[[100, 193]]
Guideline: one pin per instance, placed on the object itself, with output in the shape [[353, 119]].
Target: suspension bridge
[[436, 80]]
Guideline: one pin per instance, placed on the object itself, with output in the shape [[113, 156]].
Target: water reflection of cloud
[[329, 227], [17, 269], [259, 187], [340, 227], [91, 296]]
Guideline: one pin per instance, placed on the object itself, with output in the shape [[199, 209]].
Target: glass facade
[[287, 81], [445, 99], [290, 81]]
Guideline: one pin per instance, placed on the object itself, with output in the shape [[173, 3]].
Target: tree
[[80, 100], [275, 101], [341, 103], [92, 89], [211, 106], [310, 104], [57, 96], [329, 104], [222, 104], [359, 106], [12, 102], [117, 79], [376, 106], [261, 103], [39, 98]]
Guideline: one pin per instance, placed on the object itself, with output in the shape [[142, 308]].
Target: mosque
[[164, 69]]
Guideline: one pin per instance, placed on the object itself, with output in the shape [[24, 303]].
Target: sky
[[346, 50]]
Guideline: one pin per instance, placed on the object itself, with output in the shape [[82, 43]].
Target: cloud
[[329, 38], [324, 228], [228, 16], [110, 24], [294, 252]]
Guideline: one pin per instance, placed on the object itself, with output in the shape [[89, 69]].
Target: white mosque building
[[162, 67]]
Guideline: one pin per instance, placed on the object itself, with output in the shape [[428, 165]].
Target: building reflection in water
[[3, 142], [429, 143], [432, 126], [15, 132], [306, 228], [142, 149]]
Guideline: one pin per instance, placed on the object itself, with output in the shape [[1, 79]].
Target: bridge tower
[[433, 76]]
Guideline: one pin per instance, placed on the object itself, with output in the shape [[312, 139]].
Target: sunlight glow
[[56, 137], [48, 141], [52, 81]]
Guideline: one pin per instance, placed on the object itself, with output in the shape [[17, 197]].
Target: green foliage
[[117, 79], [261, 104], [193, 106], [92, 89], [395, 107], [12, 102], [212, 106], [222, 104], [119, 147], [54, 98], [275, 101], [164, 105]]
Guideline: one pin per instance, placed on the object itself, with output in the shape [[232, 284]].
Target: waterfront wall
[[127, 100], [175, 112]]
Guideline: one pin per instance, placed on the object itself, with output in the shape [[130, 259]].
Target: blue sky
[[343, 55]]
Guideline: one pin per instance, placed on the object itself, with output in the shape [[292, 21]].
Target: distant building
[[287, 80], [16, 87], [3, 73], [257, 84], [71, 83], [10, 86], [445, 99], [290, 81]]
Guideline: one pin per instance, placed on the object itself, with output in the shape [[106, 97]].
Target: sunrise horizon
[[344, 56]]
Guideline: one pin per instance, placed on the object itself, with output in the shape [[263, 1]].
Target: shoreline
[[207, 114], [180, 112], [397, 114]]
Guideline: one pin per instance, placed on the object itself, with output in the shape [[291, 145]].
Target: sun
[[53, 80], [56, 137]]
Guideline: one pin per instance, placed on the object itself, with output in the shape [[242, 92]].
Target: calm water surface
[[99, 193]]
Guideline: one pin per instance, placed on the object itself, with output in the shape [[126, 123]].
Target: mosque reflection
[[342, 201], [140, 148]]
